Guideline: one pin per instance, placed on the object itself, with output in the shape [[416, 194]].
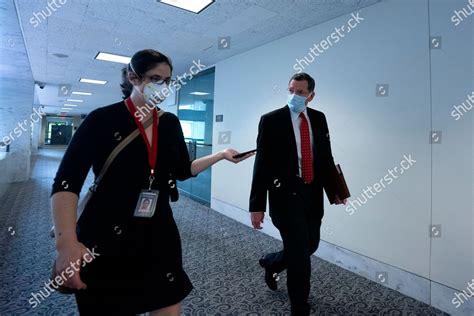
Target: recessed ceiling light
[[199, 93], [81, 93], [195, 6], [93, 81], [113, 58], [74, 100], [71, 105]]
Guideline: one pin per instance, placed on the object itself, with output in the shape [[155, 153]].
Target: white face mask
[[155, 91]]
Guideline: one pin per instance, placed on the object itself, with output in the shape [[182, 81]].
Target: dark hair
[[141, 62], [304, 76]]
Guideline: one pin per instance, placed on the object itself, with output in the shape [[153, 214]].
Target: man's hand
[[338, 200], [257, 219]]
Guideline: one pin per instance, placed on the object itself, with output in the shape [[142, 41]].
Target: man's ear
[[311, 97], [134, 79]]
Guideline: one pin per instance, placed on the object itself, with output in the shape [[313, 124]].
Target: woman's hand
[[69, 262], [229, 153]]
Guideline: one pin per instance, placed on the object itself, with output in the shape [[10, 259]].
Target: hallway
[[220, 257]]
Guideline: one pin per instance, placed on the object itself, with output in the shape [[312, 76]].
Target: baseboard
[[407, 283]]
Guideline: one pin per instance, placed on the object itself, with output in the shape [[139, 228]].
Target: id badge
[[146, 203]]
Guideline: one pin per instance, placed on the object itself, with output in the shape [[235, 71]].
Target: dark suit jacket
[[276, 162]]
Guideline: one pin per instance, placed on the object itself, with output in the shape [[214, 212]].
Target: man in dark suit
[[293, 164]]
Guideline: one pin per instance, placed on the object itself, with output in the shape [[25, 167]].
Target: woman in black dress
[[136, 262]]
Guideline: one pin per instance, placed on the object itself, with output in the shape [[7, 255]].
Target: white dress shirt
[[296, 121]]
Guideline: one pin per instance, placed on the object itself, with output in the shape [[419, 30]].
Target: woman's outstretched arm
[[203, 163]]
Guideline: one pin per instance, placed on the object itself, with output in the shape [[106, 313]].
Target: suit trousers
[[299, 228]]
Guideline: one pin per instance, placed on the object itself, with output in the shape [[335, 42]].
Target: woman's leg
[[173, 310]]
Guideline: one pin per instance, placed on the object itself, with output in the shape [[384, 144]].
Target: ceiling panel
[[81, 28]]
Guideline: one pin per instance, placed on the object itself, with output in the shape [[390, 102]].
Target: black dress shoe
[[301, 310], [271, 278]]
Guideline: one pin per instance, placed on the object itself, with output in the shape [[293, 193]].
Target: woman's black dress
[[138, 266]]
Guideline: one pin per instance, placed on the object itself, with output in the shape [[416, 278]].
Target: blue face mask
[[296, 103]]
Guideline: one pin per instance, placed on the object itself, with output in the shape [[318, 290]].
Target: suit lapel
[[314, 125]]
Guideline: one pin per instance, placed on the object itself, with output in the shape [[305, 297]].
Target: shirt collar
[[296, 116]]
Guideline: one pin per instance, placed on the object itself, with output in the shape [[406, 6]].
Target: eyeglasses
[[154, 78], [158, 80], [298, 92]]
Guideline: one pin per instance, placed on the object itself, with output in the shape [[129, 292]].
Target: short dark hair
[[304, 76], [141, 62]]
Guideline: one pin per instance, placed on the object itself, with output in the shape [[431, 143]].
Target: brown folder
[[337, 185]]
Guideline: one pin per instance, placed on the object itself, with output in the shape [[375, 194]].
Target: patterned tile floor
[[220, 257]]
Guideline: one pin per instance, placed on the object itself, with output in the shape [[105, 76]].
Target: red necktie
[[306, 156]]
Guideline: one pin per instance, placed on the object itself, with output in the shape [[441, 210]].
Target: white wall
[[36, 132], [371, 134], [16, 101], [452, 256]]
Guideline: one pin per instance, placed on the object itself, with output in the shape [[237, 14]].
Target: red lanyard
[[153, 149]]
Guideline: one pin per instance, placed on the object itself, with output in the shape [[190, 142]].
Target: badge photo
[[146, 203]]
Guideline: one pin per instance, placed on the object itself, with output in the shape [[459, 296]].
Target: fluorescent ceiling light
[[195, 6], [113, 58], [74, 100], [81, 93], [199, 93], [92, 81], [65, 109], [72, 105]]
